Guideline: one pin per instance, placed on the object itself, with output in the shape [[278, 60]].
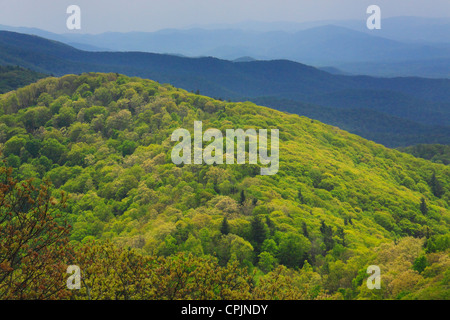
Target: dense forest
[[389, 130], [434, 152], [87, 179], [14, 77]]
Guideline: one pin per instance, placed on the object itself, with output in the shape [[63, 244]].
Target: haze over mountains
[[402, 28], [405, 46]]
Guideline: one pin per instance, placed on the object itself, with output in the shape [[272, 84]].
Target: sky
[[99, 16]]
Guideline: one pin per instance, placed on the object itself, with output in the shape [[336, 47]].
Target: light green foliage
[[309, 231]]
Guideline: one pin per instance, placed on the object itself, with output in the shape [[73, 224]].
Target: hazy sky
[[150, 15]]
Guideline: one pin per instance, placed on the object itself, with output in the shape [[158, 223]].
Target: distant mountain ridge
[[354, 48], [400, 28], [424, 101]]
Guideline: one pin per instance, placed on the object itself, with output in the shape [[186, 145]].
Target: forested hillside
[[338, 203], [435, 152], [14, 77], [389, 130]]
